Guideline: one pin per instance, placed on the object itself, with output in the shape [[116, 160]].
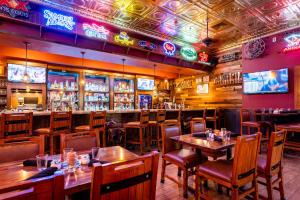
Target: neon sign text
[[18, 8], [293, 42], [188, 53], [169, 48], [123, 39], [95, 31], [147, 45], [56, 19], [203, 57]]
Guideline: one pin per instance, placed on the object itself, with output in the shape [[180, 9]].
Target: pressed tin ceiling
[[184, 21]]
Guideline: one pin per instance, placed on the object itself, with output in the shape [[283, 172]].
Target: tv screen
[[16, 73], [273, 81], [145, 84]]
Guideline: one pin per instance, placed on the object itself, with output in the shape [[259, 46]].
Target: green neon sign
[[189, 53]]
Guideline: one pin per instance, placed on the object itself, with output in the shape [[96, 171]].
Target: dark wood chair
[[200, 117], [266, 124], [60, 122], [48, 188], [172, 121], [245, 120], [80, 141], [271, 167], [172, 153], [21, 148], [160, 118], [198, 125], [97, 123], [233, 174], [212, 116], [142, 126], [16, 125], [129, 180]]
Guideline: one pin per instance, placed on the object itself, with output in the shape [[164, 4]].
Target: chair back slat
[[245, 159], [245, 115], [160, 116], [144, 117], [97, 120], [16, 125], [135, 179], [198, 126], [79, 141], [169, 130], [275, 152], [211, 112], [21, 148], [60, 122]]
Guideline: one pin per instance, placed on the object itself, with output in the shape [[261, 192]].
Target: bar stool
[[16, 125], [142, 125], [60, 122], [245, 117], [200, 117], [212, 116], [173, 121], [96, 123], [160, 118]]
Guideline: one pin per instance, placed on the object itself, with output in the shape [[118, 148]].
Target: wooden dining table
[[14, 173]]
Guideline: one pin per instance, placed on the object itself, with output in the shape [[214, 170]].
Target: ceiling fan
[[207, 41]]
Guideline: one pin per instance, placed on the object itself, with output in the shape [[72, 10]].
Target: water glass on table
[[209, 134], [65, 153], [72, 160], [41, 161]]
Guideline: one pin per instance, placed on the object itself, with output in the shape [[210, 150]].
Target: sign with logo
[[124, 39], [147, 45], [95, 31], [58, 20], [188, 53], [169, 48], [293, 42], [16, 8], [203, 57], [230, 57]]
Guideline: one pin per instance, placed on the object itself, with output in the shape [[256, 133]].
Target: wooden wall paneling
[[297, 87]]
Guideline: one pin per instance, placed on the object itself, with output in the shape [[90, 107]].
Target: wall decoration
[[17, 8], [147, 45], [293, 42], [230, 57], [59, 20], [254, 49], [188, 53], [169, 48], [183, 83], [202, 88], [203, 57], [124, 39], [95, 31], [228, 79]]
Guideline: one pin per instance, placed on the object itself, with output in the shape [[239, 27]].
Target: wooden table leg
[[229, 153]]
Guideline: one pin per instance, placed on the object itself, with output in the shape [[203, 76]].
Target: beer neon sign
[[188, 53], [293, 42], [147, 45], [17, 8], [56, 19], [169, 48], [95, 31], [203, 57], [124, 39]]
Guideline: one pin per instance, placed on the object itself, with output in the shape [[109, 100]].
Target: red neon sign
[[17, 8], [203, 57], [293, 42]]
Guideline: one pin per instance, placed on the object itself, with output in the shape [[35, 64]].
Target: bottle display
[[123, 94]]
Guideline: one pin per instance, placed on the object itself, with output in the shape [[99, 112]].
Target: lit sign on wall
[[203, 57], [169, 48], [17, 8], [293, 42], [95, 31], [188, 53], [147, 45], [56, 19], [123, 39]]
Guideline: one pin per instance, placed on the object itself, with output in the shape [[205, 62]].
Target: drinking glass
[[72, 159], [209, 133], [41, 161], [228, 133], [95, 152], [65, 153], [223, 133]]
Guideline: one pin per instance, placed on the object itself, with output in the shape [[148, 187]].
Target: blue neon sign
[[59, 20]]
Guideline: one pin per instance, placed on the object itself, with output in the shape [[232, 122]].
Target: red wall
[[273, 58]]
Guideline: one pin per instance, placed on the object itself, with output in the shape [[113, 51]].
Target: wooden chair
[[48, 188], [271, 167], [212, 116], [79, 141], [265, 124], [142, 125], [172, 121], [129, 180], [160, 118], [97, 123], [200, 117], [233, 174], [185, 159], [21, 148], [16, 125], [245, 120], [198, 125], [60, 122]]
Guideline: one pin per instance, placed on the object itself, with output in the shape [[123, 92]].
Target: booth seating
[[160, 118], [60, 122], [142, 126], [97, 123]]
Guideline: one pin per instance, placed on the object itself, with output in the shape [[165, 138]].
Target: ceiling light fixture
[[82, 65], [26, 76], [123, 60]]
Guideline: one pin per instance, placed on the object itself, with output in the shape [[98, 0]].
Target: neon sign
[[188, 53], [123, 39], [95, 31], [293, 42], [147, 45], [17, 8], [56, 19], [169, 48], [203, 57]]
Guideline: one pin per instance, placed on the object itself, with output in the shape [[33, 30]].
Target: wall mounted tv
[[16, 73], [145, 84], [266, 82]]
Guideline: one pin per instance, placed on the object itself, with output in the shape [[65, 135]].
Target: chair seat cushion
[[197, 118], [152, 123], [261, 164], [132, 124], [251, 124], [42, 131], [171, 121], [82, 128], [185, 157], [221, 169]]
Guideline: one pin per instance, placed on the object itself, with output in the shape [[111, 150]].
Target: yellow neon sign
[[123, 39]]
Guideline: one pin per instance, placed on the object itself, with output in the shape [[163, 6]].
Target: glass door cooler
[[123, 94], [96, 93]]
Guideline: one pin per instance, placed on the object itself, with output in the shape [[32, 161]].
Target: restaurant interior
[[149, 99]]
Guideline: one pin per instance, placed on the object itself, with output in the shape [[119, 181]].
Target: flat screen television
[[16, 73], [272, 81], [145, 84]]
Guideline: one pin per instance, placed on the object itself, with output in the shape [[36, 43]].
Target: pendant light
[[123, 60], [154, 74], [26, 76], [82, 65]]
